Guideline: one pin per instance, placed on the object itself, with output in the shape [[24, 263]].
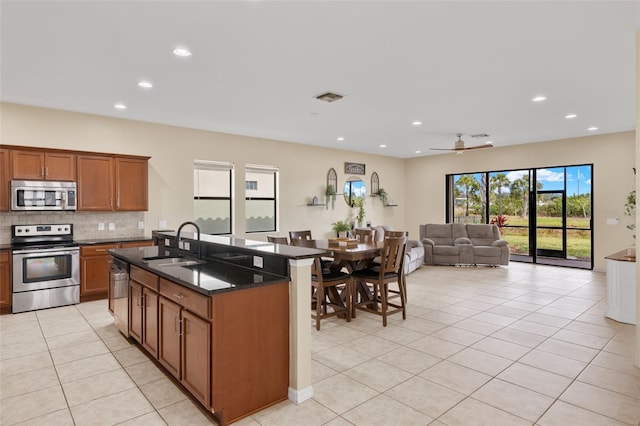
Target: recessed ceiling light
[[568, 116], [340, 138], [539, 99], [592, 128], [489, 142], [417, 123], [120, 106], [145, 84], [418, 152], [383, 146], [181, 51]]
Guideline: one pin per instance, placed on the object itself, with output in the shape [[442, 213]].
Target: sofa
[[463, 244], [413, 258]]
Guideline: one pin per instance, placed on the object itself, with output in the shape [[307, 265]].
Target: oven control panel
[[42, 230]]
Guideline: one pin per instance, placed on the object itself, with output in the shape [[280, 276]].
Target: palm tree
[[468, 185], [497, 182]]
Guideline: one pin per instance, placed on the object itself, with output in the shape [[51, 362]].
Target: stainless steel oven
[[46, 267], [43, 195]]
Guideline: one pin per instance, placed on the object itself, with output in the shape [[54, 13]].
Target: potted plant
[[330, 193], [383, 196], [341, 227], [358, 202], [630, 210]]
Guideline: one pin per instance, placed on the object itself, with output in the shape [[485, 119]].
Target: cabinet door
[[5, 279], [94, 271], [196, 356], [5, 180], [135, 310], [150, 321], [169, 336], [95, 183], [131, 184], [59, 166], [27, 164]]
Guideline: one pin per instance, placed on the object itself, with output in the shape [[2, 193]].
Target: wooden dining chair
[[364, 235], [294, 235], [277, 239], [332, 293], [376, 279], [403, 281], [303, 242]]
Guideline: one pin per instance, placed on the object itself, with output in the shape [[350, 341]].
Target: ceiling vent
[[480, 135], [329, 97]]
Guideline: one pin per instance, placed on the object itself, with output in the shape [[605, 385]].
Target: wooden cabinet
[[95, 261], [5, 179], [131, 184], [143, 308], [43, 165], [5, 279], [135, 310], [95, 183], [112, 184], [185, 341]]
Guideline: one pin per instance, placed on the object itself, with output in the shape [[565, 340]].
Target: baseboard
[[299, 396]]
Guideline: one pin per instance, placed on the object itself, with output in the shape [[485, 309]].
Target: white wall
[[303, 168], [612, 156]]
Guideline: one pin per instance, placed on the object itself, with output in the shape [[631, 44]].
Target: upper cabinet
[[112, 183], [43, 165], [4, 180]]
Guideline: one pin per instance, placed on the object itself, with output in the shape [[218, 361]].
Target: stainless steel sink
[[179, 261], [170, 258]]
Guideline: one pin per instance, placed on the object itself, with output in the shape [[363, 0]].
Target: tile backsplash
[[85, 224]]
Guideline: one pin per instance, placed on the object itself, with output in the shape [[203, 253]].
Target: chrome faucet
[[180, 230]]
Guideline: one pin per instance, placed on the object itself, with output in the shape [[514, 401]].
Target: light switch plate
[[112, 226], [257, 262], [162, 224], [140, 225], [101, 226]]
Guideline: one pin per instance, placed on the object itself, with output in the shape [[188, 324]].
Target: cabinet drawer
[[134, 244], [98, 250], [4, 256], [144, 277], [195, 302]]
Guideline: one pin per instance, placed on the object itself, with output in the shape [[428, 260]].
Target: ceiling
[[466, 67]]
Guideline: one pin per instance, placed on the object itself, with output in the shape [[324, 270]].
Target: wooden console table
[[621, 287]]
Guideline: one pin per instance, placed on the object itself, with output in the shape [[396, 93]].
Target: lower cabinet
[[5, 279], [95, 261], [185, 346], [230, 350]]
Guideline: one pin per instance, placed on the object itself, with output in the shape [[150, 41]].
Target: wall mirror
[[375, 183], [332, 179], [354, 187]]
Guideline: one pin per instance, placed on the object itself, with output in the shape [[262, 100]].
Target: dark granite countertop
[[208, 278], [113, 240]]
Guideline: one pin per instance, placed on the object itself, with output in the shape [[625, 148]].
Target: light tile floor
[[522, 345]]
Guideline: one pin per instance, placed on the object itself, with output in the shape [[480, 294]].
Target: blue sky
[[578, 178]]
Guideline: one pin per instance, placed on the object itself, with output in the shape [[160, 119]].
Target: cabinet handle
[[110, 202], [118, 202], [101, 249], [138, 300], [46, 171], [42, 171], [178, 295], [180, 332]]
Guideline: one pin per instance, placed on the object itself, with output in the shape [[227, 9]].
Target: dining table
[[353, 259]]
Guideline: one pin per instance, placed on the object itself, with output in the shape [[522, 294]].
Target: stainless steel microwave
[[43, 195]]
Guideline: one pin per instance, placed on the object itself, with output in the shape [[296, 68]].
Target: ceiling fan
[[460, 148]]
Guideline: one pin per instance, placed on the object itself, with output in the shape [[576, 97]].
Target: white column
[[300, 386], [637, 360]]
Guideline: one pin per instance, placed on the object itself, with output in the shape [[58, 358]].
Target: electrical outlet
[[186, 246], [257, 262], [162, 224], [141, 225], [112, 226], [101, 226]]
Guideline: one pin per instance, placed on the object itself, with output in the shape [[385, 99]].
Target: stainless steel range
[[46, 267]]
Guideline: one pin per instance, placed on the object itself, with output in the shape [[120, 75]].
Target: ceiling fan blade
[[443, 149], [480, 146]]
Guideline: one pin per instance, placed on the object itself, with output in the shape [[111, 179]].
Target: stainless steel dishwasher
[[119, 286]]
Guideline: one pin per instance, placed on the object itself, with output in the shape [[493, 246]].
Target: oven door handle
[[49, 251]]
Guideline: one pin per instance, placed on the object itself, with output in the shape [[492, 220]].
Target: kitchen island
[[219, 323]]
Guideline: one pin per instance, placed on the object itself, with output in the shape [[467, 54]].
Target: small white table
[[621, 287]]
